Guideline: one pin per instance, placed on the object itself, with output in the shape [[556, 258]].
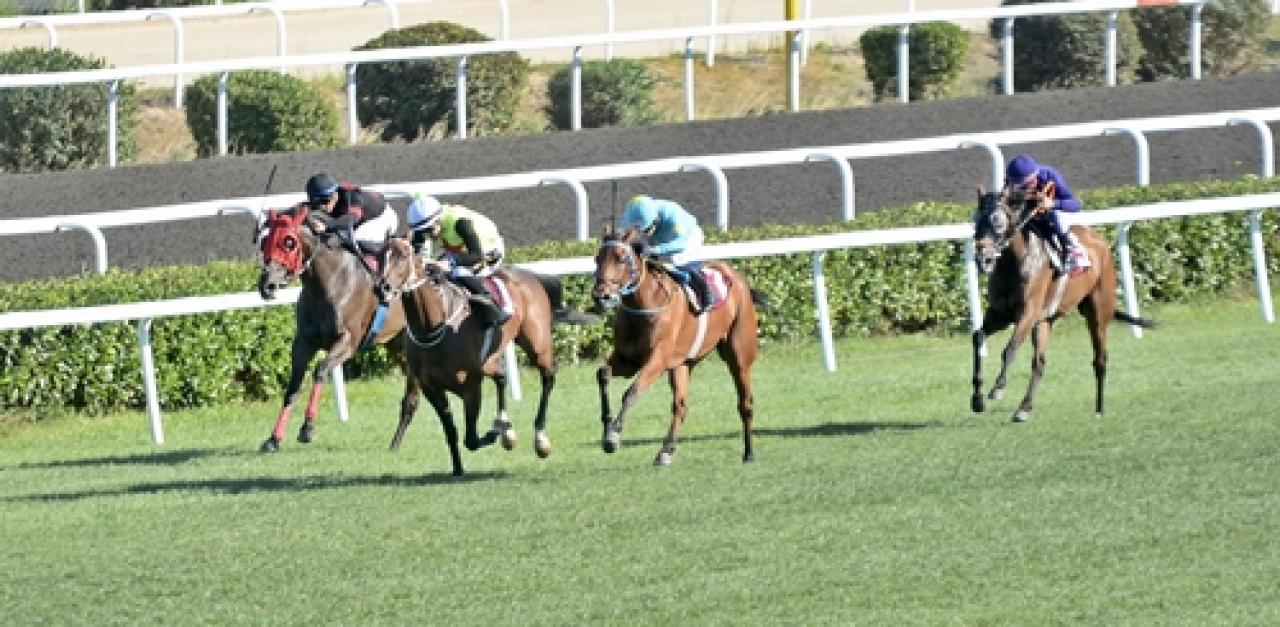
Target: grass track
[[877, 498]]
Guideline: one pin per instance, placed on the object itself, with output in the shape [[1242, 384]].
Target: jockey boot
[[700, 288], [490, 313]]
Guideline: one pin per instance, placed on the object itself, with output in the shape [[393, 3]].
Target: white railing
[[816, 246], [714, 165], [461, 52]]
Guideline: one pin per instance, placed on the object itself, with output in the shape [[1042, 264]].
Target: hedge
[[244, 355]]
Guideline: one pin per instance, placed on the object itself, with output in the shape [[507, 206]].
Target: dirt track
[[808, 193]]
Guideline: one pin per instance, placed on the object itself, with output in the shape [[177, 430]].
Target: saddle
[[498, 293], [717, 284]]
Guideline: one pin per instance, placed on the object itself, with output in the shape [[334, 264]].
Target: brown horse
[[655, 331], [1027, 287], [335, 311], [449, 350]]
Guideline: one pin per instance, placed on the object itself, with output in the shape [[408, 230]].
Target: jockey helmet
[[1020, 168], [424, 212], [320, 187], [641, 212]]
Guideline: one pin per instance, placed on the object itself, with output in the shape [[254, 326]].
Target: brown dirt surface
[[808, 193]]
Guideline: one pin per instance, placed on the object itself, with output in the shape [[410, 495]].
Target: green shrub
[[1064, 51], [614, 93], [266, 112], [216, 358], [63, 127], [936, 55], [412, 99], [1233, 38]]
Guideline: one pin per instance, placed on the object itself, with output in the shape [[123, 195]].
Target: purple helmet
[[1020, 168]]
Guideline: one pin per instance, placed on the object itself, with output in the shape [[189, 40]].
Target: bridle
[[635, 276]]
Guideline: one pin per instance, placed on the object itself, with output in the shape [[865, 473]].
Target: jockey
[[348, 208], [1027, 177], [673, 235], [473, 248]]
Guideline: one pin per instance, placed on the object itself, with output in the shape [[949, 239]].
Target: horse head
[[993, 228], [401, 272], [285, 249], [619, 267]]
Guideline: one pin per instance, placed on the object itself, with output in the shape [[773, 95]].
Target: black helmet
[[320, 187]]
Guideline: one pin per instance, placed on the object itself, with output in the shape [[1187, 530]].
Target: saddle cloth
[[498, 291], [717, 283]]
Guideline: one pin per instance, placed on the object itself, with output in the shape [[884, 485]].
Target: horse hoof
[[1021, 415], [663, 459], [542, 445], [610, 442], [272, 445], [996, 394], [307, 434], [978, 404], [509, 439]]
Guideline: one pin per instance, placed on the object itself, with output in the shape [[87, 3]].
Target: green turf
[[877, 498]]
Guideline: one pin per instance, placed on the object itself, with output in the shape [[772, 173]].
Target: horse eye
[[289, 243]]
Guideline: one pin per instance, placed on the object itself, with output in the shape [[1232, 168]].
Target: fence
[[713, 165], [461, 52], [144, 313]]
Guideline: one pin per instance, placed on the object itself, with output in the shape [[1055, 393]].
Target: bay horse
[[335, 311], [1027, 288], [447, 350], [655, 332]]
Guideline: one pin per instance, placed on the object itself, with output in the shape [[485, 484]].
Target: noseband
[[633, 269]]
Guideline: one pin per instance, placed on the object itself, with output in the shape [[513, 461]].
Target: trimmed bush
[[936, 55], [216, 358], [1064, 51], [417, 99], [63, 127], [614, 93], [1233, 38], [266, 112]]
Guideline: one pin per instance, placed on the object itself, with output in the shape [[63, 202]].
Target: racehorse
[[655, 331], [1027, 287], [449, 350], [336, 310]]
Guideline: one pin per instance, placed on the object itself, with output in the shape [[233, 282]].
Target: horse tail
[[1142, 322], [559, 313], [761, 300]]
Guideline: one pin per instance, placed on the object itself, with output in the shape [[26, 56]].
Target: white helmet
[[424, 212]]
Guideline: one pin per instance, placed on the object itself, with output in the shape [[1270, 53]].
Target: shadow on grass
[[824, 430], [159, 458], [268, 484]]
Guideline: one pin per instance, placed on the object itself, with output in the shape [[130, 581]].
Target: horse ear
[[607, 234], [982, 191]]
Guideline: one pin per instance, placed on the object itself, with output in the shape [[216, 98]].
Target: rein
[[637, 274], [435, 334]]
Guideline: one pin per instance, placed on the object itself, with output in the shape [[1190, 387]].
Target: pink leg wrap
[[282, 422], [313, 402]]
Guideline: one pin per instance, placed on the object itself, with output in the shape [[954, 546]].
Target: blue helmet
[[320, 187], [640, 213], [1020, 168]]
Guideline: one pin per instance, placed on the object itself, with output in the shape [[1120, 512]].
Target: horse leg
[[738, 353], [546, 361], [679, 378], [440, 402], [334, 358], [471, 401], [502, 422], [408, 406], [1040, 343], [1025, 325], [644, 378], [992, 322], [302, 352], [615, 365], [1098, 335]]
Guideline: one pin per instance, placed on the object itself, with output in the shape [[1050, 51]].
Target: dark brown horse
[[655, 332], [1026, 287], [334, 313], [449, 350]]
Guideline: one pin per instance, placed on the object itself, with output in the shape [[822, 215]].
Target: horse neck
[[336, 273], [652, 291], [1029, 250]]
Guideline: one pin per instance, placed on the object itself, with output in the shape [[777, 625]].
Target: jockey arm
[[1062, 198], [473, 255], [672, 235]]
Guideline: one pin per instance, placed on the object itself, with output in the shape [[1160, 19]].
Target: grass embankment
[[876, 497]]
